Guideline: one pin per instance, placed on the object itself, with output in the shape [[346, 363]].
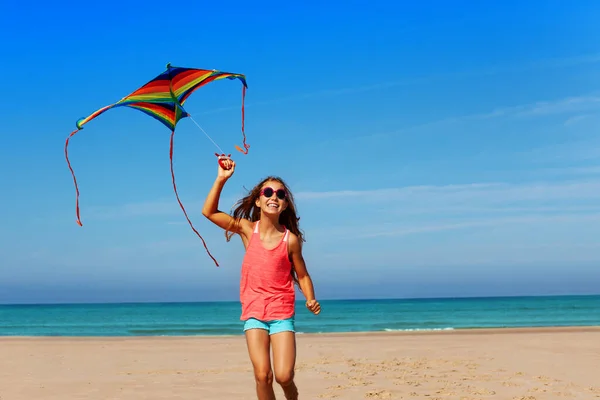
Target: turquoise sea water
[[162, 319]]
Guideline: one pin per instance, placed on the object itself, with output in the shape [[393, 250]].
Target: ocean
[[222, 318]]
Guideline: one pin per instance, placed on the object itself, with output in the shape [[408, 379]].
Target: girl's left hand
[[313, 306]]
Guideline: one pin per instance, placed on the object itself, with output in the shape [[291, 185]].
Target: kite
[[163, 98]]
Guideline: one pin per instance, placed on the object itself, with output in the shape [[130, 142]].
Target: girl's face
[[272, 198]]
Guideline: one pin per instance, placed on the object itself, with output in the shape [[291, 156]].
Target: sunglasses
[[268, 192]]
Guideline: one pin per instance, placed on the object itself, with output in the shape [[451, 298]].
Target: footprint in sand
[[480, 391], [328, 395], [378, 394], [595, 390], [360, 382], [543, 378], [537, 389], [444, 392]]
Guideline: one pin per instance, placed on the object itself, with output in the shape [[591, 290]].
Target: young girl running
[[267, 223]]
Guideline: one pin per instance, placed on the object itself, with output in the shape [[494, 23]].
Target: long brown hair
[[246, 208]]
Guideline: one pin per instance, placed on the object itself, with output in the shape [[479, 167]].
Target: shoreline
[[441, 332]]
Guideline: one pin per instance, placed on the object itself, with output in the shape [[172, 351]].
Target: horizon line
[[474, 297]]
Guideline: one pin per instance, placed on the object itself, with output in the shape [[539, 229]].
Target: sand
[[524, 364]]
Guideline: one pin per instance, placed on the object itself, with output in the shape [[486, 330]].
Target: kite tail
[[74, 179], [179, 201], [246, 146]]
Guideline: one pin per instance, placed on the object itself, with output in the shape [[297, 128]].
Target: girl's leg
[[257, 341], [284, 362]]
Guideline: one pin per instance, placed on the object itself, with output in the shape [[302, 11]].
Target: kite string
[[194, 121], [171, 148]]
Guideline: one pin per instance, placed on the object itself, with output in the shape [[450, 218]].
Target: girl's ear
[[257, 202]]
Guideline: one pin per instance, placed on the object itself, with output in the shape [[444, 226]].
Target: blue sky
[[434, 150]]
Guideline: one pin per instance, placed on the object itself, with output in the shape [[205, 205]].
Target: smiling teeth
[[272, 205]]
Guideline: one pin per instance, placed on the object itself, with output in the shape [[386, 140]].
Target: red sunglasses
[[268, 192]]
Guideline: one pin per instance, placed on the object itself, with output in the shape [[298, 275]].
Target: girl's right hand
[[226, 167]]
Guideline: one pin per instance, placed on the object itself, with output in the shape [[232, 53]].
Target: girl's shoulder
[[246, 227], [294, 243]]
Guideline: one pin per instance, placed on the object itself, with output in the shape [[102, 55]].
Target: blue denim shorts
[[275, 326]]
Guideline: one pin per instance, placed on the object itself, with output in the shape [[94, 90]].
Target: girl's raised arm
[[211, 205]]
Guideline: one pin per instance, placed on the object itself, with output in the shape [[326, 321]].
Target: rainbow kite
[[162, 98]]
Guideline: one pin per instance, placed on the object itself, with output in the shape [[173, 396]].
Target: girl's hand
[[313, 306], [226, 167]]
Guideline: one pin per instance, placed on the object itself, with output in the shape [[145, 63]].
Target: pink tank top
[[266, 287]]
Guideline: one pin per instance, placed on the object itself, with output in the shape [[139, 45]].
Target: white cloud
[[417, 210], [573, 171], [571, 104], [377, 231], [158, 208], [585, 150], [489, 193], [589, 103], [565, 105], [575, 119], [498, 215], [580, 195]]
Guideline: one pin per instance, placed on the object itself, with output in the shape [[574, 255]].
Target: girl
[[266, 221]]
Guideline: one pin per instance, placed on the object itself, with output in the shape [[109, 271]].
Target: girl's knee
[[263, 377], [284, 378]]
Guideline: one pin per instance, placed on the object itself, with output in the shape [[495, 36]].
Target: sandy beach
[[523, 364]]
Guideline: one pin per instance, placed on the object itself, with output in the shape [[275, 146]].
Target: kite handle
[[221, 159]]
